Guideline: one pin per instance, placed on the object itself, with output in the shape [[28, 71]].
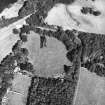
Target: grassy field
[[19, 91], [71, 15], [8, 39], [49, 60], [91, 89]]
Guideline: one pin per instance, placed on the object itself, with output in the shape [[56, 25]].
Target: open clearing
[[49, 60]]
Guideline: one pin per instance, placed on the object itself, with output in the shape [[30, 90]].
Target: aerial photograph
[[52, 52]]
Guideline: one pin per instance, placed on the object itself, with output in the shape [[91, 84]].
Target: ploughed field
[[50, 91]]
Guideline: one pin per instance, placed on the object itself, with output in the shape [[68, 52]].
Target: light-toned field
[[13, 10], [49, 60], [71, 14], [19, 91], [8, 39], [91, 89], [15, 99], [20, 83]]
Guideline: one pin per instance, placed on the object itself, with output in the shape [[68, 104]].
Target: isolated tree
[[23, 37], [24, 51], [15, 31]]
